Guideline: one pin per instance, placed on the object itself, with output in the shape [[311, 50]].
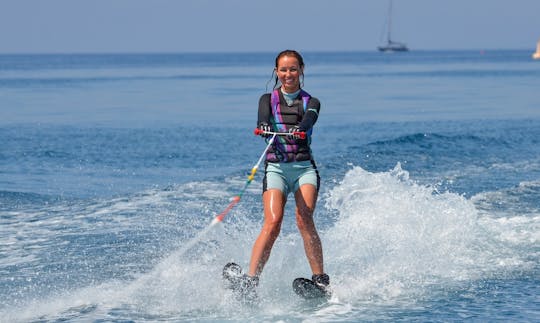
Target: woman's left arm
[[311, 115]]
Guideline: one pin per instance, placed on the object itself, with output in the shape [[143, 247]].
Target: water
[[111, 165]]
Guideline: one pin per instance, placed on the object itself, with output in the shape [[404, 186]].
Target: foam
[[391, 241], [395, 238]]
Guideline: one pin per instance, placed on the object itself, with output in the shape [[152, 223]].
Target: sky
[[170, 26]]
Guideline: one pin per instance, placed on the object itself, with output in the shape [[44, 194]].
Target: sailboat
[[391, 46], [536, 55]]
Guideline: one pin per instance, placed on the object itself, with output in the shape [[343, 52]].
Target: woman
[[289, 167]]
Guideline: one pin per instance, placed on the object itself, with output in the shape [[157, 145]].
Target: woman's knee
[[272, 227], [304, 220]]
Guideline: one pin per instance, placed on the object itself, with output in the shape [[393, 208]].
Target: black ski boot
[[244, 287], [248, 288], [322, 282]]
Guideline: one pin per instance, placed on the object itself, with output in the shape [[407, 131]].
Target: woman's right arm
[[265, 110]]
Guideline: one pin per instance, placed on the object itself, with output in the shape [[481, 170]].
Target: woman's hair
[[290, 52], [287, 52]]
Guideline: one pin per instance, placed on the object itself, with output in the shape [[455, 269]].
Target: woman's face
[[288, 72]]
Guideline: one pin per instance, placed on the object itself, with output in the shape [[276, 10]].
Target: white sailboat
[[391, 46], [536, 55]]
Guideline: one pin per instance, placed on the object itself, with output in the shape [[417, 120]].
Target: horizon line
[[482, 50]]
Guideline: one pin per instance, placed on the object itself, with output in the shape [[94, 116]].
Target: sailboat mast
[[390, 45], [389, 39]]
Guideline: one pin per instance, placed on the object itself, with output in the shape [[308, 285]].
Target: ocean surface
[[112, 168]]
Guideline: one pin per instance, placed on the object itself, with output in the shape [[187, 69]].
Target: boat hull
[[392, 49]]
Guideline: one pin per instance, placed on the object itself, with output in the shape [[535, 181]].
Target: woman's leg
[[306, 198], [274, 204]]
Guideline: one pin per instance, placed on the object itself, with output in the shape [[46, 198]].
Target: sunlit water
[[113, 167]]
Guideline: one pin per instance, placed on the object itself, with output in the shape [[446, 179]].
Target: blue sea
[[112, 168]]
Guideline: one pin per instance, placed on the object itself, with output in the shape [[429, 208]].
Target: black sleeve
[[265, 110], [311, 115]]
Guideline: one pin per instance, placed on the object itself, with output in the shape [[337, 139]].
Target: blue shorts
[[288, 177]]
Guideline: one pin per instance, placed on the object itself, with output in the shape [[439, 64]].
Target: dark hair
[[290, 52], [287, 52]]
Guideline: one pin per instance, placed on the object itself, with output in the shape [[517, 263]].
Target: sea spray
[[395, 238]]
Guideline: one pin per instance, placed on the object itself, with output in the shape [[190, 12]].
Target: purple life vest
[[285, 149]]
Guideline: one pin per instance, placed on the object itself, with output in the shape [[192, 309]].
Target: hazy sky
[[55, 26]]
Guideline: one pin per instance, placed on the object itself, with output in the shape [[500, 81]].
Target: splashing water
[[395, 239], [392, 243]]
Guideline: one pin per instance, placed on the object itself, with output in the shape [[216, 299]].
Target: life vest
[[285, 149]]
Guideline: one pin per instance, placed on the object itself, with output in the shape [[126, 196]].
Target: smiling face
[[288, 71]]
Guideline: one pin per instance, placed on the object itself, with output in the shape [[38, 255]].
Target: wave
[[441, 141], [84, 80], [441, 73], [389, 240], [10, 200], [521, 199], [396, 237]]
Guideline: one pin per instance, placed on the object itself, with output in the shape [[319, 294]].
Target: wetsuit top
[[301, 111]]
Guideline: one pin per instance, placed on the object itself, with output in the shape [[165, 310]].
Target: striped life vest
[[285, 149]]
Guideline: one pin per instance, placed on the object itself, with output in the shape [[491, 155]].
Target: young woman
[[289, 167]]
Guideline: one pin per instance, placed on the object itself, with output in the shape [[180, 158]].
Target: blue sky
[[74, 26]]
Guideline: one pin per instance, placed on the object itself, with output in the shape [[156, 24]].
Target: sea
[[114, 166]]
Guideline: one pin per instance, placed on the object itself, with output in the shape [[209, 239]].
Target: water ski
[[307, 289], [243, 286]]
